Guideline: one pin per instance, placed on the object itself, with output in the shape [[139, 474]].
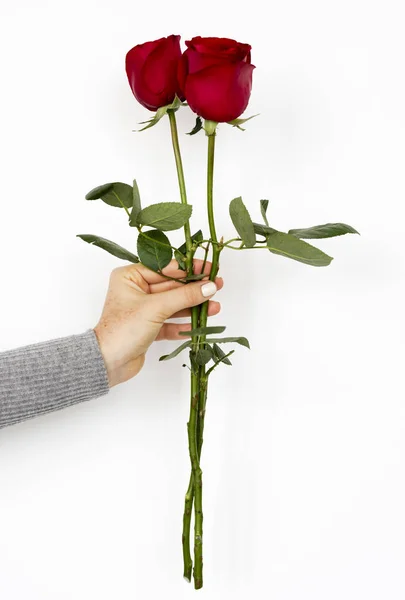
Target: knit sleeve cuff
[[51, 375]]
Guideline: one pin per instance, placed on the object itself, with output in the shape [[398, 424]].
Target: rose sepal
[[238, 122], [161, 112], [210, 127]]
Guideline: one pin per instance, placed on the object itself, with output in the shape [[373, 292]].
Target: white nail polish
[[208, 289]]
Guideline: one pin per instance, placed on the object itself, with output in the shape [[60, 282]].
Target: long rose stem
[[188, 563], [197, 472], [216, 248], [203, 381]]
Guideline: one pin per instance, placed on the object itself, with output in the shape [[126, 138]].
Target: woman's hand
[[136, 309]]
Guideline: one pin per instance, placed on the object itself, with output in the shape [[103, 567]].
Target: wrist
[[119, 368], [108, 354]]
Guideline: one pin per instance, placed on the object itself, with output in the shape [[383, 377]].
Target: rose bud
[[152, 71], [215, 76]]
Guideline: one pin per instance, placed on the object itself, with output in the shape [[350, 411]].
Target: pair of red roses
[[214, 75]]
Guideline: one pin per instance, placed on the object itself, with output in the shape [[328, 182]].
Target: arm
[[43, 377]]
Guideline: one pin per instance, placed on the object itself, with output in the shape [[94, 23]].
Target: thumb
[[165, 304]]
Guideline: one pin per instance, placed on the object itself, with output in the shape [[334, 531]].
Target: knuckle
[[135, 277]]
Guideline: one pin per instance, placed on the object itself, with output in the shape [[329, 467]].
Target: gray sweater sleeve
[[43, 377]]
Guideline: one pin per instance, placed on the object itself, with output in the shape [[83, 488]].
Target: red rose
[[152, 71], [215, 76]]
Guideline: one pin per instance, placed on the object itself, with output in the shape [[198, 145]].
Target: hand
[[136, 308]]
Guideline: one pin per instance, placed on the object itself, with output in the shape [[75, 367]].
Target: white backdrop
[[304, 451]]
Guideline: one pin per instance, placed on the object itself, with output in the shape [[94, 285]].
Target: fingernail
[[208, 289]]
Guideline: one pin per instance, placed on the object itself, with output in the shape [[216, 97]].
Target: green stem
[[195, 466], [197, 473], [168, 277], [195, 311], [182, 184], [183, 196], [219, 362], [146, 236], [188, 506], [202, 397], [208, 242], [210, 186], [216, 246], [205, 257], [232, 240], [248, 248]]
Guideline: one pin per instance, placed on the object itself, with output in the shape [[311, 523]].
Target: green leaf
[[203, 331], [180, 253], [176, 352], [263, 209], [238, 340], [291, 247], [98, 191], [197, 127], [263, 229], [109, 246], [238, 122], [203, 355], [165, 216], [242, 221], [220, 355], [323, 231], [154, 249], [136, 205], [180, 260], [114, 194], [196, 237]]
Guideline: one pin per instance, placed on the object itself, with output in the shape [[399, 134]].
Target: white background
[[304, 452]]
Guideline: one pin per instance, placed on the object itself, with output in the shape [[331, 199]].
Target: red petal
[[224, 47], [152, 71], [220, 93], [182, 72], [138, 54], [160, 68], [198, 62]]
